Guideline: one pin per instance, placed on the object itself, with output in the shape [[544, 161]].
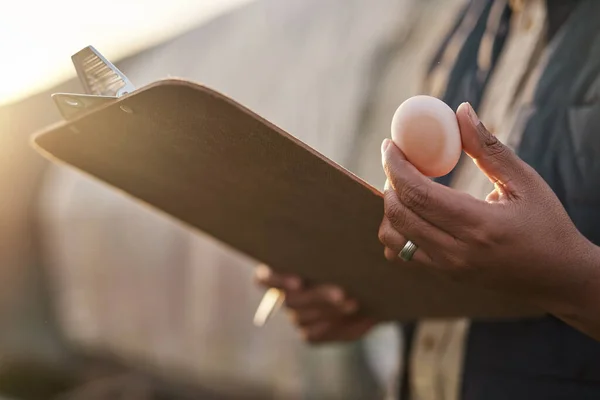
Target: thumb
[[498, 162]]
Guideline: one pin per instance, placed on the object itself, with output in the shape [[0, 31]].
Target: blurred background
[[101, 298]]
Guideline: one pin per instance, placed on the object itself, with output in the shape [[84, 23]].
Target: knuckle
[[302, 321], [293, 300], [494, 147], [396, 214], [333, 295], [312, 335], [382, 235], [487, 235], [458, 264], [414, 196], [349, 308], [385, 236], [481, 238]]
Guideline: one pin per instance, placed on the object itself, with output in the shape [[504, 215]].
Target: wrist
[[586, 282], [579, 301]]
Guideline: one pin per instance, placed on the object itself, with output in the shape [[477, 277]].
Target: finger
[[309, 316], [329, 331], [412, 227], [493, 197], [358, 327], [394, 243], [499, 163], [265, 276], [317, 333], [324, 296], [445, 208], [390, 254]]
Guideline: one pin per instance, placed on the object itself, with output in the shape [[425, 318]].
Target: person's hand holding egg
[[520, 239]]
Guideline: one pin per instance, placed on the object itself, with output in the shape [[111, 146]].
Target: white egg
[[427, 132]]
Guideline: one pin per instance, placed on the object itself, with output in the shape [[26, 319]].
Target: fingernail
[[293, 283], [350, 307], [472, 115], [336, 296], [263, 272], [384, 145]]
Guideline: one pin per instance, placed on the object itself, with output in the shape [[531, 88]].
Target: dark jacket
[[543, 358]]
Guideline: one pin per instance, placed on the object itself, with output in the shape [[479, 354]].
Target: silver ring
[[408, 251]]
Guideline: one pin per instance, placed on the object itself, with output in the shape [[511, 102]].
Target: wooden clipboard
[[207, 161]]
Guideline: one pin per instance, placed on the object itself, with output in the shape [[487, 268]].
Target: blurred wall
[[27, 324], [308, 66], [131, 282]]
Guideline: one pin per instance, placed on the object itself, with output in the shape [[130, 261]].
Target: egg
[[426, 130]]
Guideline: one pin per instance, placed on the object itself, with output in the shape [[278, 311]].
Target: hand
[[322, 313], [520, 239]]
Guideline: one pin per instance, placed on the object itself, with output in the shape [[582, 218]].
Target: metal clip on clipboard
[[101, 81], [104, 83]]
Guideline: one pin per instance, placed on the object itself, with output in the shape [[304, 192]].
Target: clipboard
[[212, 164]]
